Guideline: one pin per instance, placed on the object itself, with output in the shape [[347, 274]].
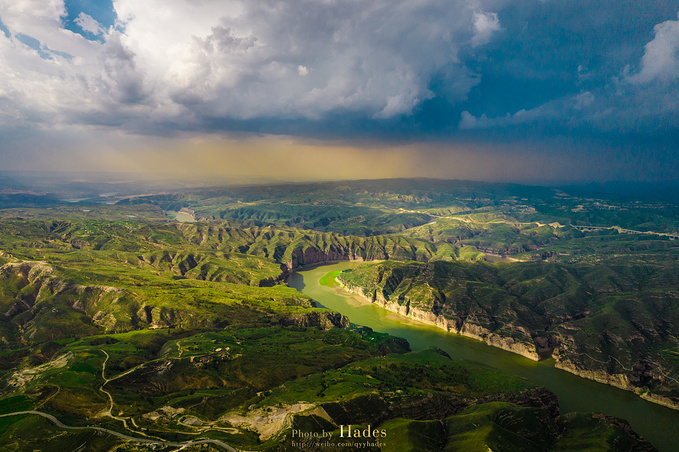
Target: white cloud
[[42, 20], [376, 58], [37, 90], [184, 60], [548, 112], [584, 100], [88, 23], [468, 121], [485, 24], [661, 55]]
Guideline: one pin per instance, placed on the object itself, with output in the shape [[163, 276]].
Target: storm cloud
[[448, 71]]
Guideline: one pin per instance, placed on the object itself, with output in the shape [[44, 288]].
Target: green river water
[[658, 424]]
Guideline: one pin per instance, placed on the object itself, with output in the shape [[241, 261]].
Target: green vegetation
[[613, 318], [118, 317], [329, 279]]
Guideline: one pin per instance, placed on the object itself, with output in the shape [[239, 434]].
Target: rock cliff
[[598, 328], [466, 327]]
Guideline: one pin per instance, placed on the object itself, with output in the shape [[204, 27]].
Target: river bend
[[658, 424]]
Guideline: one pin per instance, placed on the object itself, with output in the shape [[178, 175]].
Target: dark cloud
[[579, 68], [461, 72], [121, 75]]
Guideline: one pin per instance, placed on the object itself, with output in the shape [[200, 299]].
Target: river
[[658, 424]]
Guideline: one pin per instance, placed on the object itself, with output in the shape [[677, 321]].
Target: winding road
[[147, 440], [59, 424]]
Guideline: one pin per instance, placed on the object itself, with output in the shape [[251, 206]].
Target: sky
[[541, 91]]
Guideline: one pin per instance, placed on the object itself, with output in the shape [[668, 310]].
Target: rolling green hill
[[119, 318], [615, 322]]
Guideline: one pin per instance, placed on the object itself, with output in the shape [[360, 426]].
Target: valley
[[118, 318]]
